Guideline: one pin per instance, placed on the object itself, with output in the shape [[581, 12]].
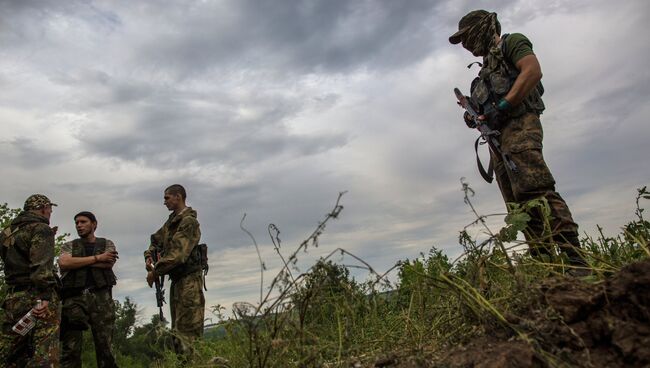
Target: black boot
[[569, 244]]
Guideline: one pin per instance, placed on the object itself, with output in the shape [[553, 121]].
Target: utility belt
[[177, 276], [71, 293]]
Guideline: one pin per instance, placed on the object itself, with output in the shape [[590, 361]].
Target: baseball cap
[[36, 201]]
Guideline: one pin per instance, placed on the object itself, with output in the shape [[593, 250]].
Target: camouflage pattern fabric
[[521, 138], [476, 31], [36, 201], [187, 307], [101, 318], [40, 347], [29, 255], [176, 239]]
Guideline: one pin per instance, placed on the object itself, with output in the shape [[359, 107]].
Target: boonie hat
[[36, 201], [466, 23]]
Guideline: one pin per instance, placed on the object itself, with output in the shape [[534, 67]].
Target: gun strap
[[489, 174]]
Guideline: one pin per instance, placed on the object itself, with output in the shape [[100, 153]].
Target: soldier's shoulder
[[189, 221], [514, 39], [68, 244], [40, 228]]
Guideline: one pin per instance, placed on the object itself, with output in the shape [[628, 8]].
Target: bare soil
[[567, 322]]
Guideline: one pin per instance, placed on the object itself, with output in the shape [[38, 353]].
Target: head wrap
[[476, 31]]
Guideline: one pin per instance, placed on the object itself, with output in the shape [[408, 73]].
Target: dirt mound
[[572, 323]]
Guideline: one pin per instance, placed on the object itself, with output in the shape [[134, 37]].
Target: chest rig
[[77, 278], [496, 77]]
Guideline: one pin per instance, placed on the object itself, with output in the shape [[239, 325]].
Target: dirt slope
[[568, 322]]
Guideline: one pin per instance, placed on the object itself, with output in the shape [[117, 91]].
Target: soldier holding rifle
[[508, 96]]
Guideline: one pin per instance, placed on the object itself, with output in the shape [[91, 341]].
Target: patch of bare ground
[[566, 323]]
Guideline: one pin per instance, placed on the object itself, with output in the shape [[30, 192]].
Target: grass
[[325, 318]]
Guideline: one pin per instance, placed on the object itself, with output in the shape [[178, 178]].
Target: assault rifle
[[488, 135], [160, 284]]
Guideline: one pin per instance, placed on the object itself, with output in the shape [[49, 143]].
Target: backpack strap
[[503, 43], [8, 236]]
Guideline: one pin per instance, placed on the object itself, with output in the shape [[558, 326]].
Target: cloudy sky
[[271, 108]]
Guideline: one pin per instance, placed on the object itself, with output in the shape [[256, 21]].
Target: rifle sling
[[489, 174]]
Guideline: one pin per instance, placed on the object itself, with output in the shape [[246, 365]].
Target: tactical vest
[[496, 77], [192, 264], [76, 279]]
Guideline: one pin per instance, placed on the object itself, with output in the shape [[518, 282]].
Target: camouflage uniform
[[520, 131], [90, 307], [175, 241], [27, 251]]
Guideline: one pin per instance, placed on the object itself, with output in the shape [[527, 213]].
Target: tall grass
[[324, 317]]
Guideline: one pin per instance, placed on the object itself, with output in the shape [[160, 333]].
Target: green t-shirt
[[517, 46]]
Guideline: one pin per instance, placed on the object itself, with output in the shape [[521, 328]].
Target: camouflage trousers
[[521, 138], [98, 309], [40, 347], [187, 307]]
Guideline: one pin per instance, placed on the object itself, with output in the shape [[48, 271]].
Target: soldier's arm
[[530, 73], [155, 243], [41, 256], [68, 262], [106, 260], [184, 239]]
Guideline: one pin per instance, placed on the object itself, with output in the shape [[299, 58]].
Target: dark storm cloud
[[173, 131], [296, 36]]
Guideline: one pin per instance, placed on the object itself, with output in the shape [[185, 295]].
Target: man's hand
[[151, 278], [148, 262], [41, 310], [469, 121], [107, 257]]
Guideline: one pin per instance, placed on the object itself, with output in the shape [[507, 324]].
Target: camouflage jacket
[[27, 251], [175, 241]]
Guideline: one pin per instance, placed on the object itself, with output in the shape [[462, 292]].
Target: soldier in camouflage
[[508, 91], [86, 271], [177, 243], [27, 250]]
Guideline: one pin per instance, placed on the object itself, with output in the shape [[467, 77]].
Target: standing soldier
[[508, 92], [177, 243], [27, 251], [87, 273]]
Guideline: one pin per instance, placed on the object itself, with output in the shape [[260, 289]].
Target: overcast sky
[[271, 108]]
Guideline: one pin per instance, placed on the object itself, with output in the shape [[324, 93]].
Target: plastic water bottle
[[27, 322]]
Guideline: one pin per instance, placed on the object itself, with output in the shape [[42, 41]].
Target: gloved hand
[[495, 117], [467, 117], [503, 105]]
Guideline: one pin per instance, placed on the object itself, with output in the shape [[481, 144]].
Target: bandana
[[479, 37]]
